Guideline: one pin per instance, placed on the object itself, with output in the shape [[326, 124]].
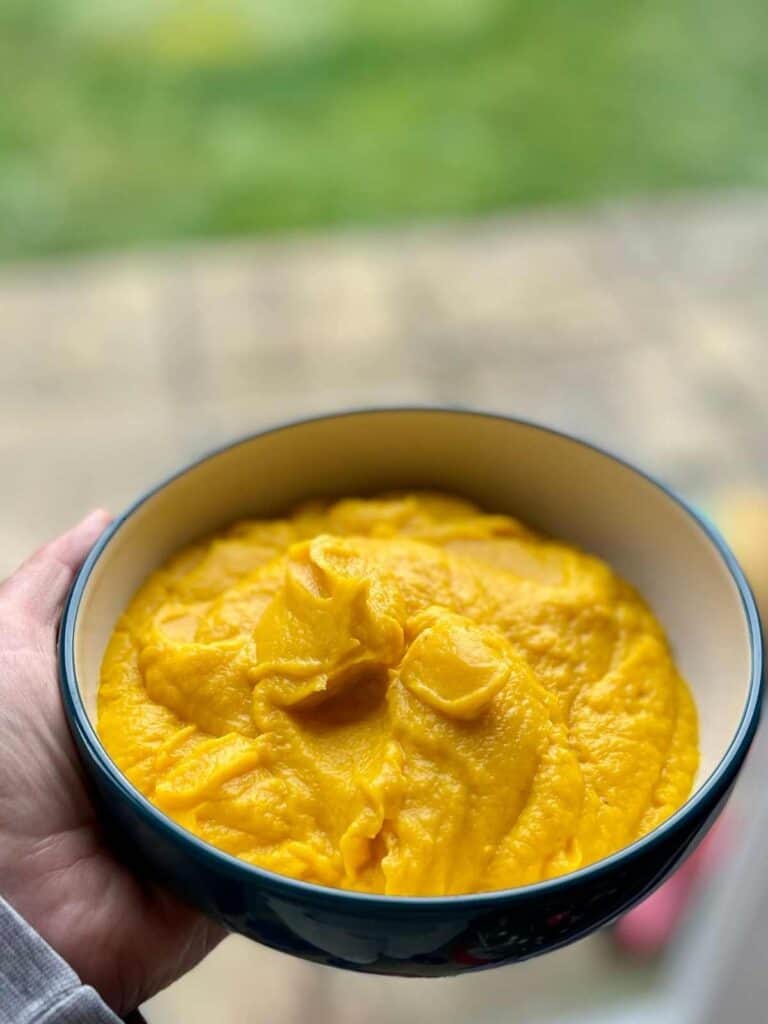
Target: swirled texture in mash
[[399, 695]]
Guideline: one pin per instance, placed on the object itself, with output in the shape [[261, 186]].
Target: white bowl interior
[[551, 482]]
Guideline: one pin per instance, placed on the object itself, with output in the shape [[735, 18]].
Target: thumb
[[39, 585]]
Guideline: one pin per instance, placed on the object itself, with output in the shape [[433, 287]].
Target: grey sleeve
[[36, 985]]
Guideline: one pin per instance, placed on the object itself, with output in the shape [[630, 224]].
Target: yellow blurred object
[[399, 695], [199, 33], [743, 518]]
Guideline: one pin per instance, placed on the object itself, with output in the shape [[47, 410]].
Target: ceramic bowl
[[556, 483]]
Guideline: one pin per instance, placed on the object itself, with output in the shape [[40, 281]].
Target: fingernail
[[96, 515]]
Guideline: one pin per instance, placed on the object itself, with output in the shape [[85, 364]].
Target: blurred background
[[217, 215]]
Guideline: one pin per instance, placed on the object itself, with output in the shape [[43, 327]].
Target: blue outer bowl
[[432, 936]]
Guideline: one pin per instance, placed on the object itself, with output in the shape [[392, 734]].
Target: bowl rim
[[706, 796]]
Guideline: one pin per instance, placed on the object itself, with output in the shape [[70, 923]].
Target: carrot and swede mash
[[399, 695]]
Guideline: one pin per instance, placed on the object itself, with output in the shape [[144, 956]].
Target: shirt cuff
[[36, 985]]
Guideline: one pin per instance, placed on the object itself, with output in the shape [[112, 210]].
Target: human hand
[[122, 935]]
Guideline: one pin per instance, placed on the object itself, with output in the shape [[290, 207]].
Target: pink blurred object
[[648, 929]]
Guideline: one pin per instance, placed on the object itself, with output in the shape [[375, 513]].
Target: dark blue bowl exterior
[[421, 937], [414, 940]]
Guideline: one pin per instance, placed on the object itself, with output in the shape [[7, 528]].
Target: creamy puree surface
[[399, 695]]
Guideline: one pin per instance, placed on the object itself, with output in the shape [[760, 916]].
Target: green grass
[[154, 120]]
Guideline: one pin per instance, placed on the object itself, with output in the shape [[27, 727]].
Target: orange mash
[[399, 695]]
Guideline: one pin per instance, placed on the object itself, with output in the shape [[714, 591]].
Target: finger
[[39, 585]]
